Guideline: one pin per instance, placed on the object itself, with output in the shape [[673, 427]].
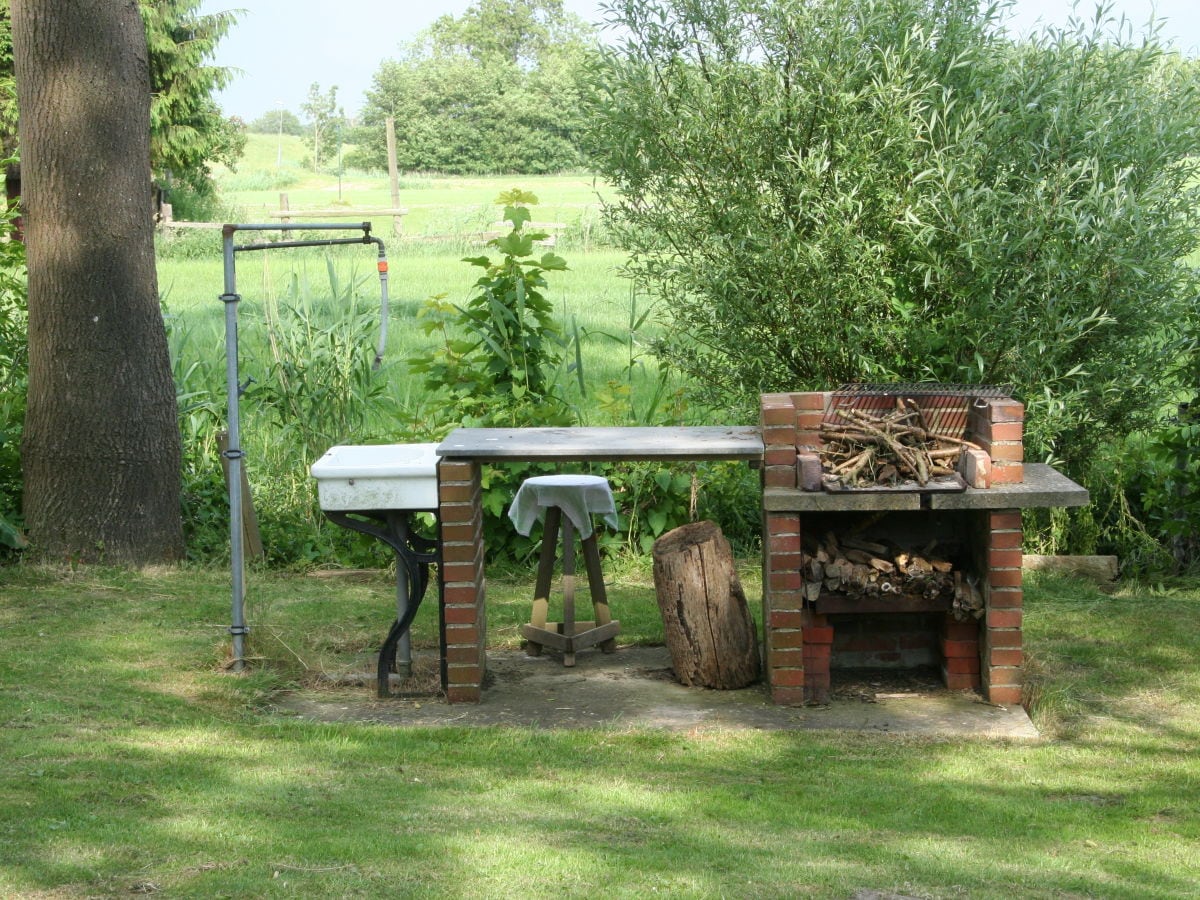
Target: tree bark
[[709, 632], [101, 447]]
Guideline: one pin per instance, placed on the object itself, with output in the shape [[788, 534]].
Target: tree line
[[494, 90]]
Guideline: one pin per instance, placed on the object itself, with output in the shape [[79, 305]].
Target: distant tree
[[514, 32], [101, 446], [273, 121], [188, 131], [321, 112], [494, 90]]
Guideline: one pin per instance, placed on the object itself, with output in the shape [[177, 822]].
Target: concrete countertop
[[732, 442], [1043, 486]]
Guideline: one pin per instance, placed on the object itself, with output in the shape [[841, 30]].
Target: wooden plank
[[618, 443]]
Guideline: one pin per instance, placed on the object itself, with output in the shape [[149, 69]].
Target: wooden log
[[709, 632]]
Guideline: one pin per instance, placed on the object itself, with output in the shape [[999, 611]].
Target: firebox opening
[[894, 591]]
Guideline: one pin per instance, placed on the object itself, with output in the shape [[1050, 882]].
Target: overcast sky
[[282, 46]]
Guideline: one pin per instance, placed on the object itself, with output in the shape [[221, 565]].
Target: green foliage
[[14, 375], [836, 190], [498, 359], [320, 387], [491, 91], [8, 84], [502, 369], [187, 130], [323, 116], [276, 121], [1167, 483]]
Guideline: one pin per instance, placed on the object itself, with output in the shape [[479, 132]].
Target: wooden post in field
[[393, 171], [283, 207]]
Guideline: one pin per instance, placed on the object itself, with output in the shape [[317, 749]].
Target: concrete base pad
[[635, 688]]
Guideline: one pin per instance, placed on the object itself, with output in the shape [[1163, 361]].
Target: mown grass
[[134, 765]]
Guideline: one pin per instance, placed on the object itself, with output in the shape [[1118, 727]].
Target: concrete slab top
[[1043, 486], [715, 442]]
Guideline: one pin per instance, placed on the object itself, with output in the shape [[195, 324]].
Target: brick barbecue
[[969, 523]]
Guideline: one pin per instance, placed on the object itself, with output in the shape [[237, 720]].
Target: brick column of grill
[[998, 426], [464, 623], [783, 594], [1002, 653], [960, 654]]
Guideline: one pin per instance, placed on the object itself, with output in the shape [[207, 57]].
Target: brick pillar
[[818, 653], [960, 654], [783, 636], [464, 621], [783, 596], [1002, 654], [778, 419], [998, 426]]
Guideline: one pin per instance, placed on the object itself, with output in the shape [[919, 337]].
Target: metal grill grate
[[945, 408]]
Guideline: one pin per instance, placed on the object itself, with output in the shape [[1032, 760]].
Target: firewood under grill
[[859, 569]]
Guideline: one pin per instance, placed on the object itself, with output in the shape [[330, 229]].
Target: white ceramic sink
[[377, 477]]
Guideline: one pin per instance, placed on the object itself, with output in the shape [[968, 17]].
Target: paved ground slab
[[635, 688]]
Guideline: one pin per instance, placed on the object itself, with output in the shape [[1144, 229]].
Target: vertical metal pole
[[234, 455], [404, 646]]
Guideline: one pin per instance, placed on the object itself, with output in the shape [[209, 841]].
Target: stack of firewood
[[860, 569], [863, 449]]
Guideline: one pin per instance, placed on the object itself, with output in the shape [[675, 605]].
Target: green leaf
[[518, 215], [514, 244]]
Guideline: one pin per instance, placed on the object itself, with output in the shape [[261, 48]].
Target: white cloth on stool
[[578, 496]]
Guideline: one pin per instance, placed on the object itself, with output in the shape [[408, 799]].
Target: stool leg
[[568, 532], [591, 559], [545, 575]]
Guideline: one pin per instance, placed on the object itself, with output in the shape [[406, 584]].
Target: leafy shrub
[[838, 190], [14, 374]]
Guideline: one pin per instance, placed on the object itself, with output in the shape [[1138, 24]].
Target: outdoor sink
[[377, 477]]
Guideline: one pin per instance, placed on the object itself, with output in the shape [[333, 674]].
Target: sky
[[281, 47]]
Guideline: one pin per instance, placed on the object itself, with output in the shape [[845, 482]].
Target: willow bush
[[820, 191]]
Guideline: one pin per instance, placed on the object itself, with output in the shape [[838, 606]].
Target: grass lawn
[[133, 765]]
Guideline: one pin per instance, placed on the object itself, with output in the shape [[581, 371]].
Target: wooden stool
[[569, 635]]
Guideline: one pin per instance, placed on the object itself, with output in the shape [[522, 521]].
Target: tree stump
[[709, 632]]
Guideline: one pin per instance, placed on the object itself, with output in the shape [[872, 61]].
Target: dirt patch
[[635, 688]]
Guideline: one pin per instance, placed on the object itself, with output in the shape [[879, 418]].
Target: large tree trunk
[[101, 450], [708, 628]]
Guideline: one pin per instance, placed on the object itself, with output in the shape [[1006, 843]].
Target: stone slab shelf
[[1043, 487], [601, 444]]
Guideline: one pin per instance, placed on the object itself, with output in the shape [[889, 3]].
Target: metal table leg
[[414, 555]]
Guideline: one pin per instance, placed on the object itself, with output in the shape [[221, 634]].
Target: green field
[[449, 219], [309, 318], [438, 206]]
